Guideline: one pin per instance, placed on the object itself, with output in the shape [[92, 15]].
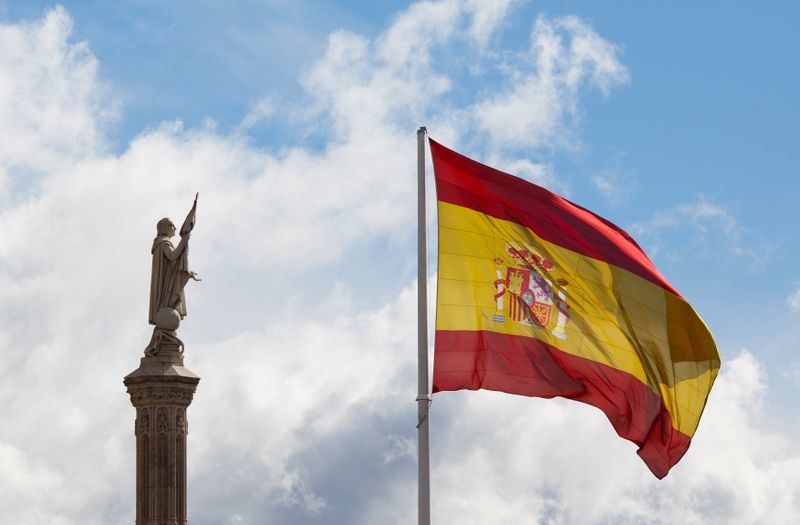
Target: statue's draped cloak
[[168, 278]]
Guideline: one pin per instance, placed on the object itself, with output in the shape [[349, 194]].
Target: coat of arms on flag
[[526, 292]]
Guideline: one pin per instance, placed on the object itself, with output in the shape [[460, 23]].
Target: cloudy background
[[296, 123]]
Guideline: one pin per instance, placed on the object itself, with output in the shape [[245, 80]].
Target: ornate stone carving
[[180, 422], [173, 395], [143, 426], [163, 421]]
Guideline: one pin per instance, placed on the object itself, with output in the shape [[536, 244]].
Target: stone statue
[[169, 276]]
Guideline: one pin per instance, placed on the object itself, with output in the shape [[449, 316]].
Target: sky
[[296, 121]]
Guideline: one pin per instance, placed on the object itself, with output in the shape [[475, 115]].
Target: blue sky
[[296, 122]]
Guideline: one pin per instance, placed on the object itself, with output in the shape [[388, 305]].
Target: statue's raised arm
[[188, 222], [170, 273]]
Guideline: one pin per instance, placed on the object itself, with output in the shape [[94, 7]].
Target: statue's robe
[[169, 276]]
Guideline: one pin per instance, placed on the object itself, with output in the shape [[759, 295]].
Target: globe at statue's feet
[[168, 319]]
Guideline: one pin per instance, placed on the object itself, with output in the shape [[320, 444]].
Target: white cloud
[[407, 42], [299, 388], [486, 17], [400, 447], [707, 229], [261, 111], [74, 259], [566, 55], [305, 412], [507, 459], [52, 106]]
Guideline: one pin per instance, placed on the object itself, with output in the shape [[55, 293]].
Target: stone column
[[161, 390]]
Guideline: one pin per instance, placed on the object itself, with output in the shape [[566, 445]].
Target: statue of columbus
[[169, 276]]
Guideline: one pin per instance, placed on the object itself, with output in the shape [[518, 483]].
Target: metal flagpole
[[423, 398]]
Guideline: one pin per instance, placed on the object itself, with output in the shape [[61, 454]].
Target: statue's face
[[171, 230]]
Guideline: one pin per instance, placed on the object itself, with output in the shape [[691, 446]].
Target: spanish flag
[[538, 296]]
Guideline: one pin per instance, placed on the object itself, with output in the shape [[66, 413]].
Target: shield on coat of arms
[[531, 297]]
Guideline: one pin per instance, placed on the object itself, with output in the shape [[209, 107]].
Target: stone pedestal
[[161, 390]]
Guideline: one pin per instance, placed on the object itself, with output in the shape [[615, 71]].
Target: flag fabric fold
[[540, 297]]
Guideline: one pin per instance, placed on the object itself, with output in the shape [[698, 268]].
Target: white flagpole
[[423, 397]]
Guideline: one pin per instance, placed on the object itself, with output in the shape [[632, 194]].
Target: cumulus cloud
[[368, 85], [302, 391], [565, 56], [52, 106], [486, 17], [303, 329], [506, 459]]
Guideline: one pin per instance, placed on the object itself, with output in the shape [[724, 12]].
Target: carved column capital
[[147, 395]]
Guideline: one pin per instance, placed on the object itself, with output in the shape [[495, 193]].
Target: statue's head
[[165, 227]]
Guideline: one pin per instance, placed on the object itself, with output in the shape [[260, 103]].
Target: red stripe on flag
[[526, 366], [468, 183]]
